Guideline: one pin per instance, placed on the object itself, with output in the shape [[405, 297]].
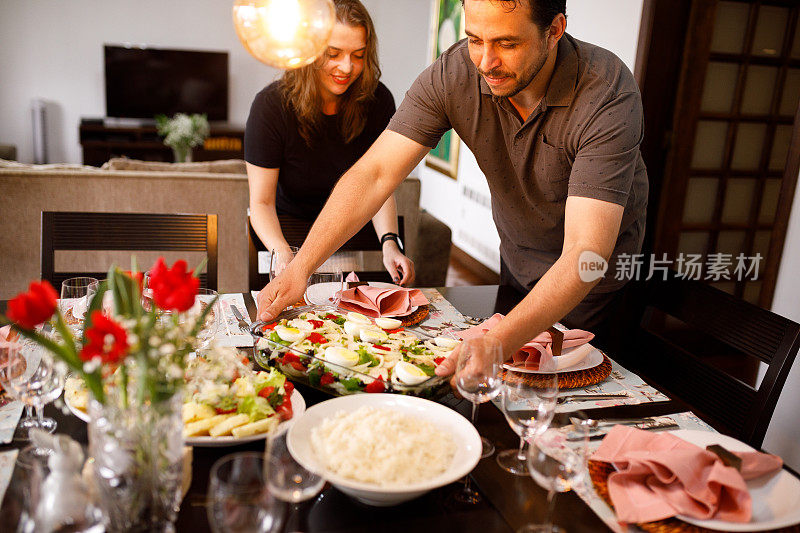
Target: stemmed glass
[[34, 378], [528, 402], [211, 325], [557, 463], [288, 480], [8, 353], [278, 261], [325, 287], [478, 380], [238, 498], [76, 293]]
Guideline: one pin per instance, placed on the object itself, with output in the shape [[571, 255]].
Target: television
[[143, 82]]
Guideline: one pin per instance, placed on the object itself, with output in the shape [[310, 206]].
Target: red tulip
[[173, 288], [29, 309], [106, 340]]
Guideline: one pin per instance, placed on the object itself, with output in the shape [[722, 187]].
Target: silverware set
[[244, 325], [587, 397]]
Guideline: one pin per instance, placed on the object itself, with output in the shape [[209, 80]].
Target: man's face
[[506, 46]]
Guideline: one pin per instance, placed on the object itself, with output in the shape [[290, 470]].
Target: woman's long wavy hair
[[302, 92]]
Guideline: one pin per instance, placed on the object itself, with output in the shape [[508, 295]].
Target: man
[[555, 125]]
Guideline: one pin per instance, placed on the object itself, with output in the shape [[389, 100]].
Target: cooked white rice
[[381, 446]]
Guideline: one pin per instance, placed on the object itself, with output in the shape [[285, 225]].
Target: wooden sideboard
[[101, 142]]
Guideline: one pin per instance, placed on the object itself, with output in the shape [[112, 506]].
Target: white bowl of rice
[[384, 449]]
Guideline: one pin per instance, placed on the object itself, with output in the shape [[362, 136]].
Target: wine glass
[[528, 402], [238, 498], [204, 298], [34, 378], [9, 352], [288, 480], [76, 294], [325, 287], [478, 380], [557, 462], [278, 260]]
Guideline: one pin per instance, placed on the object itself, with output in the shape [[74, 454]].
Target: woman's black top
[[307, 174]]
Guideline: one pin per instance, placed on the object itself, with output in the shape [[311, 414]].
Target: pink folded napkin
[[536, 353], [5, 333], [660, 475], [352, 277], [382, 301]]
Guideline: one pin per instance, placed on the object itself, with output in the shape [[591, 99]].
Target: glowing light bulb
[[284, 33]]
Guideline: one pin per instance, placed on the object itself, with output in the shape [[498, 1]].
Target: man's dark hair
[[542, 11]]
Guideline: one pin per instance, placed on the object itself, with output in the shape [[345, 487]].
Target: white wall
[[612, 24], [784, 431], [54, 50]]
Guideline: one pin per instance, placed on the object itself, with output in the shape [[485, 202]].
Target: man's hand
[[448, 366], [400, 267], [282, 291]]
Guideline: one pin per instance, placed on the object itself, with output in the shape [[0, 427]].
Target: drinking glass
[[289, 481], [211, 324], [478, 380], [325, 288], [238, 498], [76, 294], [528, 402], [34, 378], [28, 422], [557, 462], [278, 261]]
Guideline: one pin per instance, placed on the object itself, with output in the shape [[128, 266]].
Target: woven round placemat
[[416, 317], [599, 472], [576, 378]]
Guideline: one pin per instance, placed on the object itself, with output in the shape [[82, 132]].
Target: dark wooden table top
[[508, 503]]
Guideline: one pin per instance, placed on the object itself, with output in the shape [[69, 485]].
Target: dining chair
[[726, 358], [295, 231], [63, 230]]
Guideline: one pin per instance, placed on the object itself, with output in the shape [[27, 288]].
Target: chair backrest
[[708, 348], [127, 231], [295, 231]]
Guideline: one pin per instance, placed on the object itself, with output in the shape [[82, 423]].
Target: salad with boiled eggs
[[350, 352]]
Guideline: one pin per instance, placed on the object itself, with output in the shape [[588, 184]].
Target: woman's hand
[[400, 267]]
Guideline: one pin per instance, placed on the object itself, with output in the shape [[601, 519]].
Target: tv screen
[[144, 82]]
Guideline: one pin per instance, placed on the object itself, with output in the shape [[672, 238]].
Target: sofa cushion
[[14, 165], [226, 166]]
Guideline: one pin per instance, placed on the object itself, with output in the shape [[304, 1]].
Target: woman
[[305, 130]]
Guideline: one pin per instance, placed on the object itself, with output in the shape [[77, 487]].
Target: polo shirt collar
[[561, 89]]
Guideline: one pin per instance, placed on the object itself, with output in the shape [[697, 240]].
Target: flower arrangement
[[138, 352], [182, 132]]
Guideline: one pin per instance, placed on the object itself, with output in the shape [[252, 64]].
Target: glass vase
[[138, 463], [182, 154]]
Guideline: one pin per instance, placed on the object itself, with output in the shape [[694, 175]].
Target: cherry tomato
[[390, 331], [284, 410], [438, 360], [376, 386], [221, 411], [378, 346], [269, 326], [266, 391], [316, 338], [288, 387], [316, 323], [326, 379], [298, 366]]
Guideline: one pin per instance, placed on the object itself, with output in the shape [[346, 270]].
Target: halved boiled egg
[[358, 318], [290, 334], [302, 325], [373, 335], [409, 374], [353, 329], [388, 323], [446, 342], [339, 355]]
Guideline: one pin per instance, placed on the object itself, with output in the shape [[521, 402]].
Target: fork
[[243, 324]]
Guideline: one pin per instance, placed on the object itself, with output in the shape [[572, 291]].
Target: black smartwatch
[[389, 236]]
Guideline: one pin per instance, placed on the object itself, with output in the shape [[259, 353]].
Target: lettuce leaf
[[256, 407]]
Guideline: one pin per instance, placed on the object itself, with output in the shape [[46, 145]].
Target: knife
[[626, 412]]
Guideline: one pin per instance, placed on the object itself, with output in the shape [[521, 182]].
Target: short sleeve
[[608, 151], [421, 116], [264, 134]]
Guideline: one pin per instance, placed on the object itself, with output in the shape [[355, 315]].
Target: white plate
[[377, 284], [776, 497], [465, 438], [298, 408], [592, 359]]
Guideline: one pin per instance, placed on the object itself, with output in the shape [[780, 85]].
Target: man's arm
[[358, 195], [591, 225]]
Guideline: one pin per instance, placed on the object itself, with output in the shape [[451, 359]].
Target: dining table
[[507, 501]]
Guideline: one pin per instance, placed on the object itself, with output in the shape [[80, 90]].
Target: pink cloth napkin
[[351, 277], [536, 352], [382, 301], [660, 475], [5, 331]]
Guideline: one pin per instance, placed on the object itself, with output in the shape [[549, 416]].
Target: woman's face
[[343, 60]]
